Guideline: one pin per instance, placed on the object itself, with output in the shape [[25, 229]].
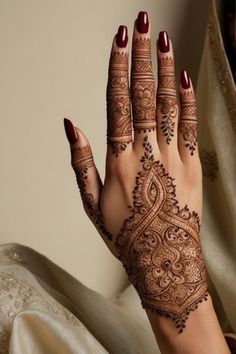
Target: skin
[[153, 159]]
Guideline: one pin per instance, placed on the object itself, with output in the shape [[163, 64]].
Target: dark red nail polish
[[122, 37], [163, 42], [142, 22], [70, 131], [184, 79]]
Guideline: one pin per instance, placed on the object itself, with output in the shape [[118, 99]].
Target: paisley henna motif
[[82, 160], [159, 245], [143, 86], [119, 132]]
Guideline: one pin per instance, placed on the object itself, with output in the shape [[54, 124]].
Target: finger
[[187, 130], [167, 104], [142, 81], [119, 129], [87, 175]]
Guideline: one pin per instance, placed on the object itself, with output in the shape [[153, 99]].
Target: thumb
[[87, 175]]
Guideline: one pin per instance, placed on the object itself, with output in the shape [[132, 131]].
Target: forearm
[[202, 335]]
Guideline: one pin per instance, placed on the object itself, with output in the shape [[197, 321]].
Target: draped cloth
[[43, 309]]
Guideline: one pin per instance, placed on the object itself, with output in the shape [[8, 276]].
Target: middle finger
[[142, 81]]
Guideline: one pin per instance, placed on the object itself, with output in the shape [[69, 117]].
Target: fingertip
[[71, 133], [121, 40]]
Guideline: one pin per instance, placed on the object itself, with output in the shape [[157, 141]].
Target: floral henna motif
[[188, 121], [189, 132], [166, 97], [169, 112], [143, 86], [159, 246], [119, 132], [82, 160]]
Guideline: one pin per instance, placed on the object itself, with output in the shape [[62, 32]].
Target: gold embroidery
[[16, 295], [223, 70]]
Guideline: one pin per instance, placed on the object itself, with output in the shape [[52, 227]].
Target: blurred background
[[54, 61]]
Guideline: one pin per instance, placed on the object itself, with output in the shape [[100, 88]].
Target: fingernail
[[71, 133], [184, 79], [142, 22], [163, 42], [122, 37]]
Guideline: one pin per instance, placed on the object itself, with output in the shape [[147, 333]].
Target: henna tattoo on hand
[[188, 121], [143, 86], [82, 160], [119, 132], [159, 245], [167, 104]]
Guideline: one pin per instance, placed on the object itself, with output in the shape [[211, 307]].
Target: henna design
[[166, 97], [82, 160], [169, 112], [189, 131], [188, 121], [143, 86], [159, 245], [119, 132]]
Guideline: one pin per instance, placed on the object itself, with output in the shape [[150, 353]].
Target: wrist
[[201, 335]]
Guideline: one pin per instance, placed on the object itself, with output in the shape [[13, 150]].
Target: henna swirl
[[159, 245], [82, 160]]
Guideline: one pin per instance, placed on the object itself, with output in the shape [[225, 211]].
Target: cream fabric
[[43, 309]]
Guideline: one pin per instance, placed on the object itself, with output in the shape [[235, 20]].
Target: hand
[[149, 209]]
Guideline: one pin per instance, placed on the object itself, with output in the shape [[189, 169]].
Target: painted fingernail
[[70, 131], [163, 42], [142, 22], [122, 37], [184, 79]]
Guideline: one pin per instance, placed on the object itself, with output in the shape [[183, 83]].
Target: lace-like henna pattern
[[188, 121], [143, 86], [82, 160], [167, 100], [159, 246], [119, 132]]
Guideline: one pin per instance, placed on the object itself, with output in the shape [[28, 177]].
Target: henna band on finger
[[119, 132], [188, 121], [143, 86], [167, 104]]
